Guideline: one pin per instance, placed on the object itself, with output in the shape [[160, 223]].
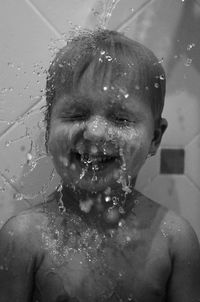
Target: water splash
[[103, 17]]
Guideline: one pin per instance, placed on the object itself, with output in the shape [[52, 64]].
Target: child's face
[[96, 137]]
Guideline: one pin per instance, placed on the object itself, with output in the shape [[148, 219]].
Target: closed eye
[[74, 117], [123, 120]]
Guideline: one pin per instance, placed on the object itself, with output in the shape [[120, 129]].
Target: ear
[[158, 133]]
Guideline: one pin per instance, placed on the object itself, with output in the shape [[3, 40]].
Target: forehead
[[102, 102]]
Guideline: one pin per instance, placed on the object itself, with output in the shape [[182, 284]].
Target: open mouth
[[97, 162]]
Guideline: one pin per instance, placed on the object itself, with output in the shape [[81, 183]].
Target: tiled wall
[[31, 32]]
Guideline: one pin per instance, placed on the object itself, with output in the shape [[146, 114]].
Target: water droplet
[[13, 179], [121, 210], [29, 157], [64, 161], [107, 198], [7, 143], [162, 77], [128, 238], [4, 90], [109, 58], [121, 223], [102, 52], [18, 196], [188, 62], [108, 191], [86, 205], [156, 85], [105, 88], [73, 167], [115, 200], [10, 64], [93, 150], [190, 46], [130, 297], [126, 95]]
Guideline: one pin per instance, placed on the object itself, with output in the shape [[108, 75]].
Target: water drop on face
[[73, 167], [107, 198], [64, 161], [128, 238], [93, 150], [108, 191], [112, 215], [121, 223], [86, 206], [109, 58]]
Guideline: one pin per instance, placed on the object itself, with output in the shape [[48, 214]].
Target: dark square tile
[[172, 161]]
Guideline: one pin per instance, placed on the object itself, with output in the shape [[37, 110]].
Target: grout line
[[133, 15], [6, 131], [192, 140], [43, 18], [192, 181]]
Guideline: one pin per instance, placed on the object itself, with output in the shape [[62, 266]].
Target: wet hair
[[95, 59]]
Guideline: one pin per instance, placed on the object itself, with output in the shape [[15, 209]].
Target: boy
[[97, 238]]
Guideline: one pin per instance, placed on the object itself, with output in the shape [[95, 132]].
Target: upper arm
[[16, 263], [184, 283]]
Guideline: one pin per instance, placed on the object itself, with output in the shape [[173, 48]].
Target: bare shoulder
[[176, 229], [24, 229], [183, 239]]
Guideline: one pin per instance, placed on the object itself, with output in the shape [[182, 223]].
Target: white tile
[[178, 194], [123, 11], [182, 112], [25, 54], [65, 15], [154, 25], [149, 171], [23, 157], [192, 161]]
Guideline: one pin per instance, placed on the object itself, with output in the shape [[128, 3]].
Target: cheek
[[136, 145], [62, 138]]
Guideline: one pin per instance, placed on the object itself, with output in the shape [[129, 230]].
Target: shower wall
[[31, 31]]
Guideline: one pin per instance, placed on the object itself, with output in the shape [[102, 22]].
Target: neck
[[107, 207]]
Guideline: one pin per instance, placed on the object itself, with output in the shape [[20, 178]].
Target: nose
[[96, 128]]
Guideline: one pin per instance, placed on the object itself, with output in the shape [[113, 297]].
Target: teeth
[[91, 159]]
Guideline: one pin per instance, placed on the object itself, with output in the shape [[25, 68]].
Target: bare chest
[[94, 268]]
